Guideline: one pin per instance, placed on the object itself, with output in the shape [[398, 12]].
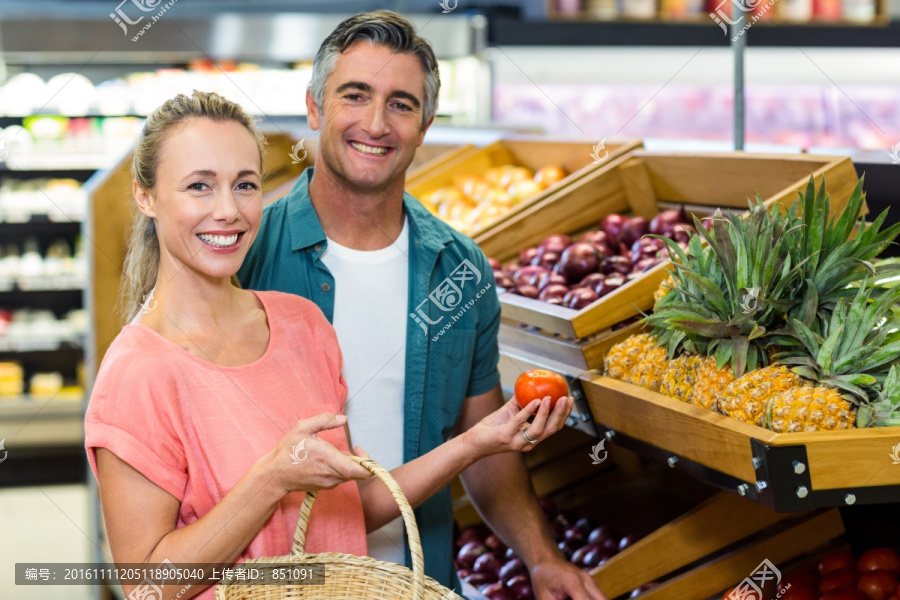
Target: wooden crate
[[848, 460], [639, 183], [534, 153], [430, 157]]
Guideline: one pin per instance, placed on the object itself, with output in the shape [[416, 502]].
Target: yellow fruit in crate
[[663, 289], [649, 372], [514, 175], [625, 356], [548, 175], [521, 191], [498, 197], [680, 377], [746, 397], [452, 210], [493, 175], [711, 382], [809, 408]]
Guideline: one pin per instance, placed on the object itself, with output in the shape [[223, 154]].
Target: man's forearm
[[515, 515]]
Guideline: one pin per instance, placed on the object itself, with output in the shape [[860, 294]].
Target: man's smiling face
[[370, 122]]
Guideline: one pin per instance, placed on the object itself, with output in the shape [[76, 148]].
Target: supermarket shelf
[[24, 408], [9, 346], [37, 286], [505, 31], [81, 173]]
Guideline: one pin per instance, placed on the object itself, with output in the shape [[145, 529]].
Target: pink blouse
[[194, 428]]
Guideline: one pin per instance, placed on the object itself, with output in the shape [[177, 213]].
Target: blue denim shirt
[[451, 335]]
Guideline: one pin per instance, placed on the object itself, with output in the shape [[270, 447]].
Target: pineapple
[[745, 398], [846, 365], [638, 360], [667, 284], [711, 383], [624, 356], [680, 377]]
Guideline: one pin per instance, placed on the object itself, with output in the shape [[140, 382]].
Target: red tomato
[[877, 585], [841, 578], [799, 578], [800, 593], [843, 594], [879, 559], [536, 384], [837, 560]]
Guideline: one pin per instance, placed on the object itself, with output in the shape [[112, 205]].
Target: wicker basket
[[348, 577]]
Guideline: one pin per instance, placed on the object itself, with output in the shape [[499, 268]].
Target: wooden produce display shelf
[[784, 471], [430, 157], [641, 183], [575, 157]]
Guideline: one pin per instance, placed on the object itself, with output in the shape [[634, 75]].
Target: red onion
[[497, 591], [567, 549], [495, 544], [478, 579], [512, 568], [553, 290], [463, 573], [591, 280], [550, 278], [521, 587], [469, 553], [608, 545], [578, 555], [509, 554], [681, 233], [634, 229], [555, 243], [488, 563], [584, 524], [600, 240], [529, 291], [610, 284], [599, 534], [523, 276], [574, 535], [594, 557], [666, 220], [503, 280], [581, 297], [546, 259], [645, 264], [527, 255], [495, 264], [646, 248], [612, 225], [469, 534], [555, 301], [616, 264], [627, 541], [578, 260]]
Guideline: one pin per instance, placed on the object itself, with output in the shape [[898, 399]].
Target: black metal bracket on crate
[[679, 463], [581, 417], [782, 477]]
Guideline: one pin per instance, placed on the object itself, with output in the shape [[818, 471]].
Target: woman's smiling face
[[207, 200]]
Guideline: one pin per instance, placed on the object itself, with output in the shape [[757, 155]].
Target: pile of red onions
[[486, 563], [576, 274]]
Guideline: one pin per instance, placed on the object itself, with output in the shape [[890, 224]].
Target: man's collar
[[306, 229]]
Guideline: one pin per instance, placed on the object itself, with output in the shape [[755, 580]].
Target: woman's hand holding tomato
[[537, 384], [501, 431], [300, 462]]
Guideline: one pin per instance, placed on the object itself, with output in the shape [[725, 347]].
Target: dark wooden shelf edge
[[505, 31]]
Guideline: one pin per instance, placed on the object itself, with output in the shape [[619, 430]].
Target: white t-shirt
[[370, 317]]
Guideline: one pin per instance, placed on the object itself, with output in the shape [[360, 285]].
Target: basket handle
[[406, 511]]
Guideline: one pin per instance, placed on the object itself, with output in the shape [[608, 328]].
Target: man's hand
[[557, 579]]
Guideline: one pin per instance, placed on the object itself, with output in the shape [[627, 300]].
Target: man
[[412, 300]]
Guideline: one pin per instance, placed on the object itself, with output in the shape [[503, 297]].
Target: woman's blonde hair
[[142, 259]]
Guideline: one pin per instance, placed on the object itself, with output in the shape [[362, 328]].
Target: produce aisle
[[735, 366]]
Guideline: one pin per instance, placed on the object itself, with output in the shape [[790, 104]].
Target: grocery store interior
[[630, 107]]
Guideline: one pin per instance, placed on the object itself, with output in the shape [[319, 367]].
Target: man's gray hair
[[384, 28]]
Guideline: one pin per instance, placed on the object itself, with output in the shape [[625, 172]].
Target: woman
[[216, 407]]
